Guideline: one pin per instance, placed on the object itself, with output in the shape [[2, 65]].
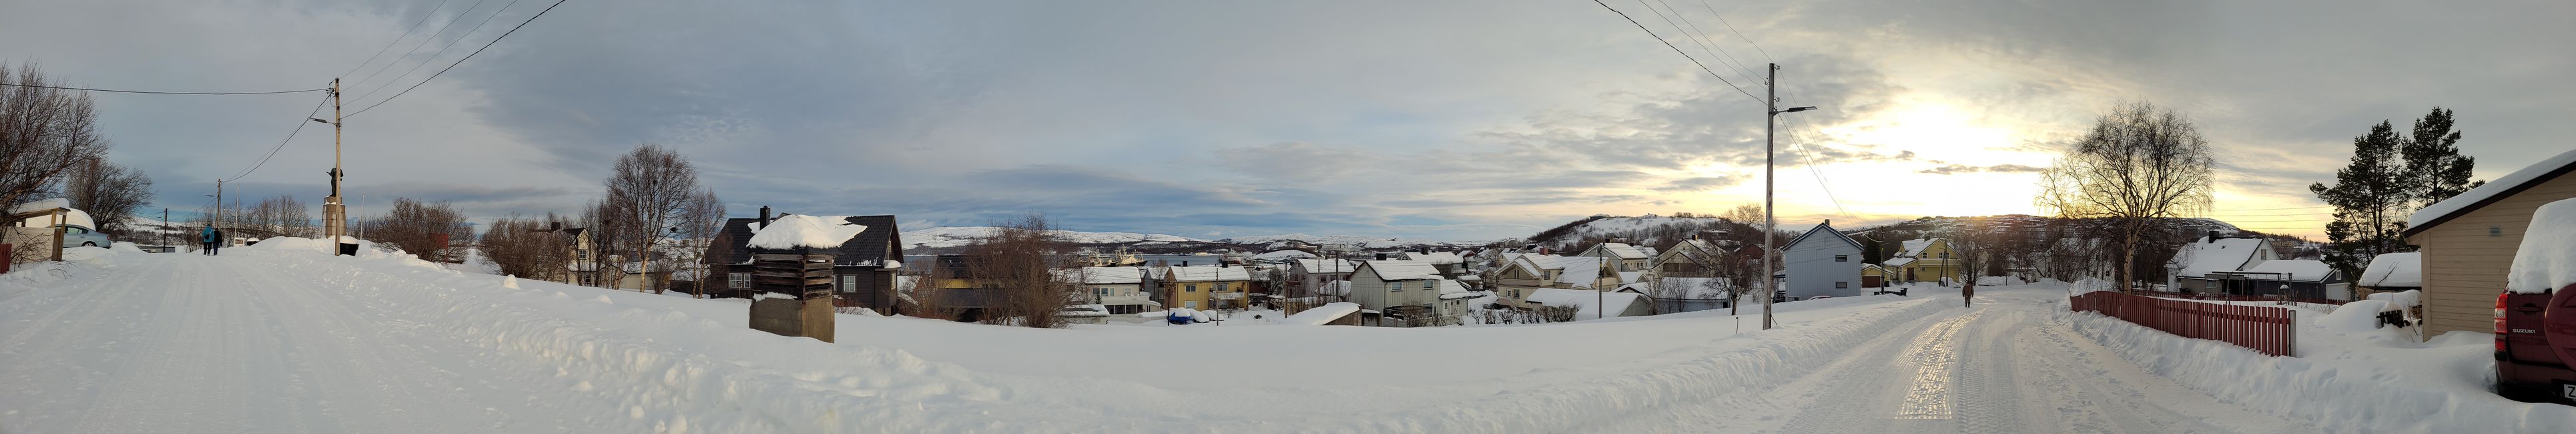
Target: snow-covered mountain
[[959, 236], [956, 236], [1361, 241]]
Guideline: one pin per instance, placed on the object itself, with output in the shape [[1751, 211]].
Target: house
[[620, 273], [1689, 258], [1676, 294], [1116, 290], [1923, 259], [2393, 272], [1522, 275], [1407, 293], [2466, 239], [1821, 262], [2189, 269], [1449, 263], [1207, 287], [1591, 305], [583, 264], [2295, 278], [863, 270], [1628, 257], [1311, 274]]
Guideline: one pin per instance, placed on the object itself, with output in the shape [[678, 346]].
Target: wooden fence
[[2264, 329], [2226, 297]]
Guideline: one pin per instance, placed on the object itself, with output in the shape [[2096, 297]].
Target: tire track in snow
[[1867, 392]]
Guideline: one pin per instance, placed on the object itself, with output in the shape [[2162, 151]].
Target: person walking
[[212, 238]]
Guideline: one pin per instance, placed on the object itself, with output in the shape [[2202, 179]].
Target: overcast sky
[[1452, 120]]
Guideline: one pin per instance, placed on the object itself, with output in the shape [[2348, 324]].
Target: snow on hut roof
[[1402, 269], [2547, 258], [805, 231], [2394, 270], [1451, 290], [2203, 256], [1900, 261], [1209, 273], [1319, 315], [74, 217], [2298, 269], [1625, 251], [2513, 182]]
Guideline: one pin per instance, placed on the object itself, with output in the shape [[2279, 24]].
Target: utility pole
[[165, 226], [1770, 222], [335, 217]]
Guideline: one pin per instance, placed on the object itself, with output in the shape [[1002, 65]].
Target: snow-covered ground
[[277, 338]]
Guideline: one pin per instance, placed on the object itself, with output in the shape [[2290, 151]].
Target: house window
[[1193, 304], [738, 280], [1190, 287], [581, 254], [1841, 285], [2495, 231], [849, 283], [1427, 283], [1842, 258], [1100, 292], [1220, 286], [586, 280]]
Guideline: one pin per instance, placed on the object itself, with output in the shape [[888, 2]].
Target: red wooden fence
[[2225, 297], [2264, 329]]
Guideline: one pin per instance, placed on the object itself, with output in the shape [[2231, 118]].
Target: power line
[[164, 93], [442, 49], [1739, 34], [1678, 50], [461, 61], [389, 45], [1705, 43], [281, 144], [415, 48]]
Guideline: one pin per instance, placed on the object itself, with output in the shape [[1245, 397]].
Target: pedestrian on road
[[213, 239]]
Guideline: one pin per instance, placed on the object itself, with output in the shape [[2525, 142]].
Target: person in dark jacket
[[213, 239]]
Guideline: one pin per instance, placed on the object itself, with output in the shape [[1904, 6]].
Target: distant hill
[[949, 239]]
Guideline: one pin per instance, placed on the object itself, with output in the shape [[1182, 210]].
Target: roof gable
[[1825, 228], [2497, 190], [881, 242]]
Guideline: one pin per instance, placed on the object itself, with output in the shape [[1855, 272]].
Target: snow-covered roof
[[1623, 251], [1436, 257], [1631, 276], [1084, 311], [1209, 273], [1588, 301], [1576, 270], [1915, 247], [2547, 259], [1103, 275], [1900, 261], [1322, 265], [1451, 290], [806, 231], [2298, 269], [1402, 269], [2513, 182], [74, 217], [1319, 315], [2394, 270], [2203, 256], [1821, 228]]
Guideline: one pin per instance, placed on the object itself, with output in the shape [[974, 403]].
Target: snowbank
[[2340, 382], [1322, 314], [2547, 259], [2394, 270], [2355, 317], [804, 231]]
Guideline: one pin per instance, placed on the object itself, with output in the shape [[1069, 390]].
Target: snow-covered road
[[2007, 365], [276, 339]]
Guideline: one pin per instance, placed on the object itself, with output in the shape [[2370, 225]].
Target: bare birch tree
[[1015, 265], [108, 192], [416, 227], [2137, 166], [648, 191]]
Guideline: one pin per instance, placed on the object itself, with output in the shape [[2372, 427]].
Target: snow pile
[[1323, 314], [2341, 383], [2394, 270], [2402, 299], [2090, 285], [2492, 188], [2547, 259], [74, 217], [2355, 317], [791, 232]]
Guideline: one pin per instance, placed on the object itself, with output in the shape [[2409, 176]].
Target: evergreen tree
[[2434, 166], [2371, 197]]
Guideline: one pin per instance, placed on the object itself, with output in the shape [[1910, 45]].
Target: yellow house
[[1922, 260], [1207, 287]]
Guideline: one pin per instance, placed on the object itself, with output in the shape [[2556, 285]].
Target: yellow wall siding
[[2464, 268]]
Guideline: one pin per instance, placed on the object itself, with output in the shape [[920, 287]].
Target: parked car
[[2535, 339], [78, 229]]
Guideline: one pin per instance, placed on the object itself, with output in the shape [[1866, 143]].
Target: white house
[[1407, 293], [2189, 270], [1530, 271], [1628, 257], [1311, 274], [1822, 262], [1117, 290]]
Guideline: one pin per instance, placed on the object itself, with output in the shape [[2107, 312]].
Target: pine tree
[[2371, 196], [2434, 167]]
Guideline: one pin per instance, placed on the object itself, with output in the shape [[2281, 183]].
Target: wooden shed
[[2468, 242]]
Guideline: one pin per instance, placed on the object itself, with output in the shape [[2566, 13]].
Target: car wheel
[[89, 244]]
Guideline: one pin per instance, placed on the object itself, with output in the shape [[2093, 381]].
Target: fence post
[[2289, 332]]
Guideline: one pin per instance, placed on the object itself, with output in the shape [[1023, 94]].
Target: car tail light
[[2499, 321]]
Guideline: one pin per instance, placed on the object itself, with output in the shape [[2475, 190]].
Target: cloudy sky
[[1442, 119]]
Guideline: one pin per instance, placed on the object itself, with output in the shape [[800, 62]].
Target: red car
[[2535, 341]]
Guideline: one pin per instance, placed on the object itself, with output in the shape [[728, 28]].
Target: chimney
[[764, 215], [1829, 222], [1381, 256], [556, 227], [1185, 263], [2213, 237]]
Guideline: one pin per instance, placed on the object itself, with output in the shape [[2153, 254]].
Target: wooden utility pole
[[1770, 224], [335, 217]]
